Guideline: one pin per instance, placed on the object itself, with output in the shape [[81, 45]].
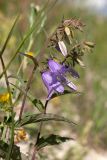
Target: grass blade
[[9, 36], [35, 118]]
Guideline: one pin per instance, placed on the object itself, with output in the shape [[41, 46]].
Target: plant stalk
[[12, 113], [38, 134], [26, 90]]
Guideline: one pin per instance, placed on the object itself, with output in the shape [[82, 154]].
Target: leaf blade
[[51, 140], [9, 36], [35, 118], [16, 155]]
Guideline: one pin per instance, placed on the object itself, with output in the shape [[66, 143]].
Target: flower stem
[[4, 133], [38, 134], [12, 113], [25, 95]]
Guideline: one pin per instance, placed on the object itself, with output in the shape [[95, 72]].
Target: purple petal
[[58, 68], [52, 83], [55, 88], [65, 82], [50, 94], [71, 85], [54, 66], [65, 69], [61, 78], [47, 79], [58, 87]]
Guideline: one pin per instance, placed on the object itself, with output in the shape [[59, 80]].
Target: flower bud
[[89, 44], [67, 31], [62, 48]]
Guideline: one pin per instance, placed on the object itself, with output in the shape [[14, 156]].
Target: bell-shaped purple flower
[[51, 83], [55, 79]]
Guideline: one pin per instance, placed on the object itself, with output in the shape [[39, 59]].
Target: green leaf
[[33, 14], [16, 155], [9, 36], [18, 49], [32, 19], [37, 103], [51, 140], [35, 118], [43, 20], [17, 78]]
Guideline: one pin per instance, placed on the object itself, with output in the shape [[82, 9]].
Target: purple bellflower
[[55, 78], [51, 83], [61, 69]]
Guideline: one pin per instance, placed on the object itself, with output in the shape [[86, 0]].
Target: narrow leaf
[[34, 118], [9, 36], [37, 103], [51, 140], [18, 49], [16, 155]]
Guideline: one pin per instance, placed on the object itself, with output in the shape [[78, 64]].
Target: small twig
[[26, 90], [21, 91], [38, 134]]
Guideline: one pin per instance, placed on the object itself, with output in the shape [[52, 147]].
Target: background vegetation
[[88, 110]]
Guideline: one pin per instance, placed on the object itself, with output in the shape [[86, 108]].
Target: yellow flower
[[29, 53], [4, 97], [20, 135]]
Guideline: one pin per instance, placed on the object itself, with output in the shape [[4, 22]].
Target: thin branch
[[26, 90]]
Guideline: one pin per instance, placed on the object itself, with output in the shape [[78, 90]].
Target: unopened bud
[[80, 62], [30, 53], [72, 34], [89, 44], [67, 31], [62, 48]]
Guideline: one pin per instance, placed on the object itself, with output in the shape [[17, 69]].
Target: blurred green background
[[88, 110]]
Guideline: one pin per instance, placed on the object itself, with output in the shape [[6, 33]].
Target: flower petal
[[58, 68], [71, 85], [58, 87], [54, 66], [50, 94], [63, 48], [52, 83], [47, 79], [65, 69]]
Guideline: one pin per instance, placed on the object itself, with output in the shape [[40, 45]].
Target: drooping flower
[[55, 79], [52, 84]]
